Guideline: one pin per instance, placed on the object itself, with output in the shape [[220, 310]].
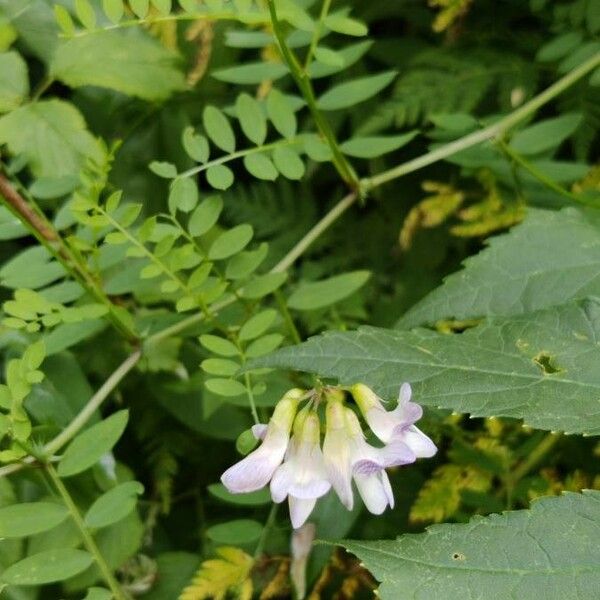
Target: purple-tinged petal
[[300, 510], [397, 453], [315, 488], [259, 431], [416, 440], [367, 467], [255, 470]]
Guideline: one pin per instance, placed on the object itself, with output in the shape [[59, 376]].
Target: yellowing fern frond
[[218, 577], [440, 497]]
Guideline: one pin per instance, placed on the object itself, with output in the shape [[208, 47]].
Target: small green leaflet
[[257, 324], [231, 242], [29, 518], [240, 531], [550, 551], [260, 166], [89, 446], [288, 162], [205, 216], [14, 82], [281, 114], [218, 129], [251, 73], [113, 505], [218, 490], [85, 13], [113, 9], [263, 284], [183, 195], [47, 567], [373, 146], [252, 118], [319, 294], [518, 272], [195, 145], [219, 177], [341, 23], [545, 135], [540, 367], [353, 92]]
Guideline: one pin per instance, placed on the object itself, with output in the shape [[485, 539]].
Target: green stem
[[250, 394], [407, 167], [316, 33], [488, 133], [31, 216], [88, 540], [302, 80], [239, 154], [537, 174], [260, 546], [534, 457], [82, 418], [287, 317]]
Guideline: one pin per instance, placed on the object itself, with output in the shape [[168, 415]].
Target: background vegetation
[[192, 189]]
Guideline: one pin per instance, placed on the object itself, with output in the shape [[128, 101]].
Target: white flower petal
[[336, 454], [259, 431], [255, 470], [375, 491], [417, 441], [281, 482], [300, 509]]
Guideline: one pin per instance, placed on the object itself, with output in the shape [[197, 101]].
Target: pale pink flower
[[396, 424], [302, 477]]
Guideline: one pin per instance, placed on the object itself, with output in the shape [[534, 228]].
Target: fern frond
[[216, 578]]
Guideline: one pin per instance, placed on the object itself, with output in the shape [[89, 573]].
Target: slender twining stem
[[516, 158], [75, 426], [93, 404], [34, 220], [316, 33], [87, 537], [488, 133], [239, 154], [304, 84]]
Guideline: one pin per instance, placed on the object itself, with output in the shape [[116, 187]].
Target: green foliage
[[191, 189], [543, 550]]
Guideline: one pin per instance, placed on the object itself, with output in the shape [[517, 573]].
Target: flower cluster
[[291, 459]]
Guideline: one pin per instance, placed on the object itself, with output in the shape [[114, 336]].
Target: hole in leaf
[[546, 363], [458, 556]]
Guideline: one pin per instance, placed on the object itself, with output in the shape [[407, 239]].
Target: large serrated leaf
[[549, 259], [550, 551], [541, 367], [135, 65]]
